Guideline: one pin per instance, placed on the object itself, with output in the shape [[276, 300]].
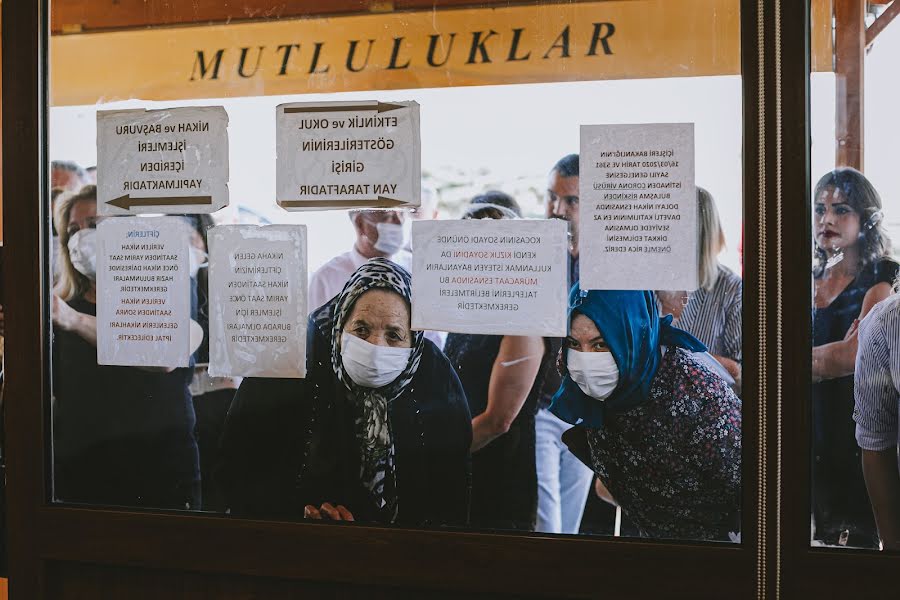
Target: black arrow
[[126, 202], [378, 106], [379, 202]]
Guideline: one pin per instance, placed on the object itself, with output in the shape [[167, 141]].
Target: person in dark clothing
[[502, 377], [852, 273], [211, 396], [122, 435], [660, 429], [563, 481], [379, 431]]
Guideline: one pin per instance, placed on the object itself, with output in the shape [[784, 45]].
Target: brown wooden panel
[[562, 566], [74, 16], [172, 551], [80, 581]]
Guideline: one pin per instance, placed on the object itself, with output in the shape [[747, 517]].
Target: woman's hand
[[62, 315], [328, 511], [603, 493], [68, 319]]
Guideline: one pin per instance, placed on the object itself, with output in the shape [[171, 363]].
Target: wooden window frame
[[807, 572], [43, 536]]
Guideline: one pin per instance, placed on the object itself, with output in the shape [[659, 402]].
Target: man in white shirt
[[378, 233]]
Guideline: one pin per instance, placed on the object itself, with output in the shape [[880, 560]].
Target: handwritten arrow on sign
[[380, 202], [126, 202], [378, 106]]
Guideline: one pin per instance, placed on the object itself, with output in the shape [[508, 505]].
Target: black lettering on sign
[[514, 47], [432, 46], [395, 54], [315, 60], [601, 39], [243, 61], [478, 46], [288, 48], [201, 65], [562, 43], [351, 51]]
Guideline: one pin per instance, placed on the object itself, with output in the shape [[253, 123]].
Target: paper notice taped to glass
[[258, 290], [492, 277], [143, 292], [638, 207]]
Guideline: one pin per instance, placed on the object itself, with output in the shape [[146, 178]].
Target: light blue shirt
[[877, 381]]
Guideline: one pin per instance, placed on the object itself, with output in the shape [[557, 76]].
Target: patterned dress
[[674, 463]]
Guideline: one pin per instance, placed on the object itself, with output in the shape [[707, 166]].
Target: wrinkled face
[[382, 318], [562, 203], [837, 225], [83, 215], [584, 336]]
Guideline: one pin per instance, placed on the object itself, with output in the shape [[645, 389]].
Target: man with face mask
[[379, 233]]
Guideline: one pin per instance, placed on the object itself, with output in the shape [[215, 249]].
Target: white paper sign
[[348, 154], [173, 160], [257, 285], [143, 292], [638, 208], [494, 277]]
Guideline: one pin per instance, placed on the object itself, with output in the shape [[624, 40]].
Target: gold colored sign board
[[633, 39]]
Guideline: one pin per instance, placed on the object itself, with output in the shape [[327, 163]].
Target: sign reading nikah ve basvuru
[[506, 277], [571, 41], [348, 155], [173, 160], [638, 207], [257, 281]]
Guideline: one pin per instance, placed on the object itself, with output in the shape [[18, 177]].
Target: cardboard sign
[[257, 285], [638, 208], [143, 292], [490, 277], [151, 161], [348, 155]]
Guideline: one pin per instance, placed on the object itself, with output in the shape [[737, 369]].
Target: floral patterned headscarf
[[372, 422]]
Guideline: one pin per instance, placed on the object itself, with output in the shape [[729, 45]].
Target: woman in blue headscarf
[[660, 429]]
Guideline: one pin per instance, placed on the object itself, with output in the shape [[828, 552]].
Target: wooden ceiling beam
[[79, 16], [881, 22]]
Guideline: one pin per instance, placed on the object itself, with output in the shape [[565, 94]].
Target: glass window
[[856, 216], [276, 357]]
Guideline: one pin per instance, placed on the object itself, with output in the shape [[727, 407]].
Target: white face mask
[[83, 252], [372, 366], [595, 373], [197, 258], [390, 238]]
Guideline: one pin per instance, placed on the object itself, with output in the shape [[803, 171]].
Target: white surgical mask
[[83, 252], [372, 366], [595, 373], [390, 238], [197, 259]]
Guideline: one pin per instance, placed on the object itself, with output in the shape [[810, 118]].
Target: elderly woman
[[661, 431], [378, 431]]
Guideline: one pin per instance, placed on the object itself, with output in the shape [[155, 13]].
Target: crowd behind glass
[[638, 406]]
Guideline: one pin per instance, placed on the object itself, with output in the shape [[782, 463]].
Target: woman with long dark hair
[[852, 272]]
